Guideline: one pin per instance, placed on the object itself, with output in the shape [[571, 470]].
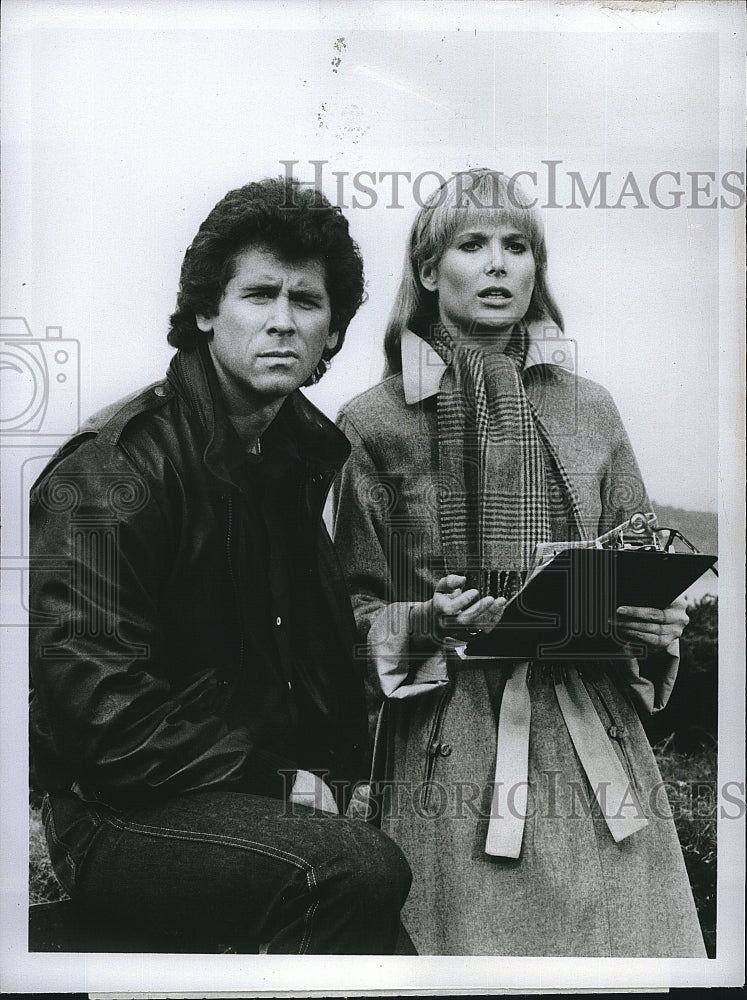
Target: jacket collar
[[423, 368], [320, 443]]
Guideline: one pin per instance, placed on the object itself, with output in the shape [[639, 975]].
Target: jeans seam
[[213, 838], [310, 913], [241, 844]]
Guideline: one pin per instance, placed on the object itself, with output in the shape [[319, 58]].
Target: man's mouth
[[286, 355], [495, 292]]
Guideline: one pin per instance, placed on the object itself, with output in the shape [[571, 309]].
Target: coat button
[[159, 390], [445, 749], [278, 620], [616, 732]]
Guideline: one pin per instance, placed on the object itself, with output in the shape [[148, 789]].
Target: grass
[[43, 886], [692, 790]]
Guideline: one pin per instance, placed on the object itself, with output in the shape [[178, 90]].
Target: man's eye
[[306, 303], [258, 297]]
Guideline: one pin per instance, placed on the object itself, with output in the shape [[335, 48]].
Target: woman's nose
[[495, 262]]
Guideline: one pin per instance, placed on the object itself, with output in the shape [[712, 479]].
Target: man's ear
[[429, 276], [205, 323], [331, 342]]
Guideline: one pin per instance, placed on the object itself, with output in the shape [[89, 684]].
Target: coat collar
[[319, 442], [423, 368]]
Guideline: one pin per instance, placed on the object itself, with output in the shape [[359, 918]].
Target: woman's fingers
[[653, 640], [483, 616], [450, 583], [654, 627], [455, 602], [676, 612]]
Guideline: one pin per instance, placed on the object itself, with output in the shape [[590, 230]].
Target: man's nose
[[281, 318]]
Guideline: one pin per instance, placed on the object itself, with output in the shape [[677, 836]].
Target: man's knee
[[376, 866]]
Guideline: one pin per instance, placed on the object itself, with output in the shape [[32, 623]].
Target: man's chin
[[279, 386]]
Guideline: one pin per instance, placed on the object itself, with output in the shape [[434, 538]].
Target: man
[[196, 712]]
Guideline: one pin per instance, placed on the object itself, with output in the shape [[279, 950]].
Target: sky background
[[120, 139]]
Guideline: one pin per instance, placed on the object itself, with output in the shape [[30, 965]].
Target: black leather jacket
[[143, 679]]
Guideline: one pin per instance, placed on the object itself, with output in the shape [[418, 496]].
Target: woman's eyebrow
[[462, 234], [514, 234]]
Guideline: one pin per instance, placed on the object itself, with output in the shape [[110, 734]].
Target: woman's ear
[[428, 272]]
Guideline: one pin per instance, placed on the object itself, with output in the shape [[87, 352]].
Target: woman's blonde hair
[[480, 195]]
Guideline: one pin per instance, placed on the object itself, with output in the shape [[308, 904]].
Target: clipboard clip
[[640, 532]]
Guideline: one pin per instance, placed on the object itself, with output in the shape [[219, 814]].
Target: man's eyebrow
[[263, 282], [306, 289]]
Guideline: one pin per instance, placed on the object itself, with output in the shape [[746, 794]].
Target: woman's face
[[484, 280]]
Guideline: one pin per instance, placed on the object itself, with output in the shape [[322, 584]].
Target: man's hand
[[654, 628], [309, 790], [453, 612]]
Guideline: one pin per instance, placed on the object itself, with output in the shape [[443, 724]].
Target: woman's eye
[[516, 247], [470, 245]]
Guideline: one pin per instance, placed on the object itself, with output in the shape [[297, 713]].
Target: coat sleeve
[[650, 680], [102, 549], [362, 500]]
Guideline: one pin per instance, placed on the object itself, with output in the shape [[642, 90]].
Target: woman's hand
[[654, 628], [453, 613]]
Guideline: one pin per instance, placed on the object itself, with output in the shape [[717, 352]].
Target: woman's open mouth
[[495, 293]]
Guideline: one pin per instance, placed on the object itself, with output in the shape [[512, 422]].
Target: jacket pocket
[[435, 749], [615, 730], [70, 826]]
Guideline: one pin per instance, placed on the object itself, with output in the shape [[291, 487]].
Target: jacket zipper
[[435, 748], [229, 558]]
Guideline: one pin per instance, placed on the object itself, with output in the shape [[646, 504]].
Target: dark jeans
[[240, 866]]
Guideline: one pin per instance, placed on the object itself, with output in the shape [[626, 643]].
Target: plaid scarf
[[493, 491]]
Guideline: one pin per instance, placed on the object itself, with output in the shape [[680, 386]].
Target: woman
[[525, 795]]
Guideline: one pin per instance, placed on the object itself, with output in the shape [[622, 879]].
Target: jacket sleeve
[[649, 680], [102, 551], [362, 538]]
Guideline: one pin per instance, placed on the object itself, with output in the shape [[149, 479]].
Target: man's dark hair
[[293, 220]]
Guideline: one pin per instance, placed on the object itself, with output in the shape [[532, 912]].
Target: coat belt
[[617, 800]]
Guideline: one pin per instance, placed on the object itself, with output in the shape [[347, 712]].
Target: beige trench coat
[[573, 891]]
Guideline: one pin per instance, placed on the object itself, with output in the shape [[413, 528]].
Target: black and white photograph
[[372, 454]]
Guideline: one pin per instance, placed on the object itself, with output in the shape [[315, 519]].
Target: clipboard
[[564, 609]]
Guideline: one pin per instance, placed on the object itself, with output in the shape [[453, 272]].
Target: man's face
[[272, 325]]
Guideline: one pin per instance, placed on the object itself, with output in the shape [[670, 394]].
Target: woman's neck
[[489, 340]]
